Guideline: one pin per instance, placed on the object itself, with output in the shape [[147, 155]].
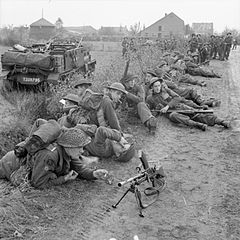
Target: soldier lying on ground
[[184, 92], [135, 102], [187, 93], [176, 72], [43, 163], [196, 70], [163, 99]]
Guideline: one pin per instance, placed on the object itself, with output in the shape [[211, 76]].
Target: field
[[202, 198]]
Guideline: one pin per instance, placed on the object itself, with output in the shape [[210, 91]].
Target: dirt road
[[201, 201]]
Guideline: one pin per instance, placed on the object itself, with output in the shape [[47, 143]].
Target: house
[[88, 31], [169, 26], [203, 28], [42, 29]]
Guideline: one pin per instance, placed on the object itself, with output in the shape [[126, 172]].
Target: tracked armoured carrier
[[41, 64]]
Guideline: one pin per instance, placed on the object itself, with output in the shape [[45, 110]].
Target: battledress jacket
[[48, 167], [164, 98], [135, 95]]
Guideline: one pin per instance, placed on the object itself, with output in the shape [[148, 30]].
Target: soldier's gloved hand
[[71, 175]]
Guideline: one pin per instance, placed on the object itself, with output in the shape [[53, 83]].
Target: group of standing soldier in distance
[[212, 47]]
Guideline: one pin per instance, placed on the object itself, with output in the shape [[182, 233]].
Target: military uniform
[[213, 44], [135, 101], [227, 46], [193, 44], [47, 166], [159, 100], [220, 48], [191, 94], [195, 70]]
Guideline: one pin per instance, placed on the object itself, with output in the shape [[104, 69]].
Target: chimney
[[166, 14]]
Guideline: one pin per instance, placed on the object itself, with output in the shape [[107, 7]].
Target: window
[[159, 28], [159, 35], [146, 34]]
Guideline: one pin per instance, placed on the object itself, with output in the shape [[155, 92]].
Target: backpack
[[42, 134], [91, 100]]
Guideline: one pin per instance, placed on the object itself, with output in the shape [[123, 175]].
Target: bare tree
[[135, 29]]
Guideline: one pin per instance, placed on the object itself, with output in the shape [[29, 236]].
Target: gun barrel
[[120, 184]]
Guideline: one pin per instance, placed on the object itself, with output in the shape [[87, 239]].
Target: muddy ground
[[201, 201]]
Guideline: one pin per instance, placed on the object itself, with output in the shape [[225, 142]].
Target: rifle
[[126, 68], [188, 111], [146, 173]]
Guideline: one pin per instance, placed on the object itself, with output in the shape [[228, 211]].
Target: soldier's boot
[[224, 123], [198, 125], [151, 124]]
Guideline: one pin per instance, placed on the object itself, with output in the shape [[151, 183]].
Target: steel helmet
[[117, 86]]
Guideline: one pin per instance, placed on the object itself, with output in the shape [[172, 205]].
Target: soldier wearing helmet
[[193, 98], [228, 40], [135, 102], [72, 113], [163, 100], [55, 161], [105, 115], [69, 101]]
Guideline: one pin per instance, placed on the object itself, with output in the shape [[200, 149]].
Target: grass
[[40, 213]]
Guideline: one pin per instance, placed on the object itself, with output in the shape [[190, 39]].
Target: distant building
[[203, 28], [169, 26], [42, 29], [88, 31]]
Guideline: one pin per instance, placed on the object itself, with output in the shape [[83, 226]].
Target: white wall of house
[[170, 25]]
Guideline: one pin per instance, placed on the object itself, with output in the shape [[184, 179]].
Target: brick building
[[168, 26], [42, 30], [203, 28]]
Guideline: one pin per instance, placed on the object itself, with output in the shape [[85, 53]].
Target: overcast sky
[[97, 13]]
